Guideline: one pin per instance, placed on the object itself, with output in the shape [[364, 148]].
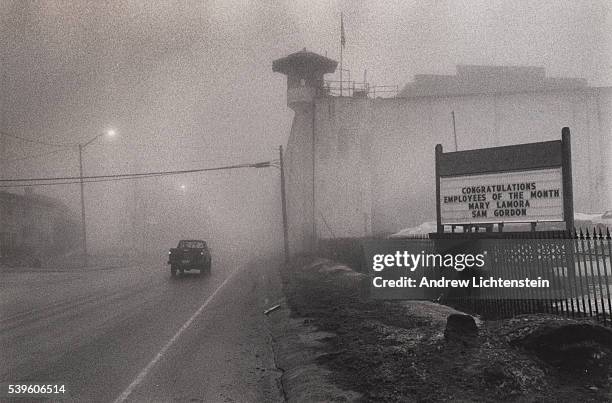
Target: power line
[[100, 178], [32, 156], [67, 145], [176, 172], [5, 134], [76, 182]]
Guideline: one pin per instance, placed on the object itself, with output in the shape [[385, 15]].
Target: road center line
[[143, 374]]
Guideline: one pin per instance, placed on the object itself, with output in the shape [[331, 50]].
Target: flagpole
[[341, 46]]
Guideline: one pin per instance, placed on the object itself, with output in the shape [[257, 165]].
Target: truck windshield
[[192, 244]]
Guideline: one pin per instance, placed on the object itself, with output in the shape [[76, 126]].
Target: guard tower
[[304, 71]]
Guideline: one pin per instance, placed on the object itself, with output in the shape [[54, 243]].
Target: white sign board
[[522, 196]]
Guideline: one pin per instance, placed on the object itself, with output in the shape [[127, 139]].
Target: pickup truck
[[189, 255]]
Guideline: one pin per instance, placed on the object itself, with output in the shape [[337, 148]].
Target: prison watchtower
[[304, 71]]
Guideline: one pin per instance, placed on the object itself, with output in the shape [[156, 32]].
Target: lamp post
[[109, 133]]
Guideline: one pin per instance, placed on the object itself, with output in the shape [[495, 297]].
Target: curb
[[296, 346]]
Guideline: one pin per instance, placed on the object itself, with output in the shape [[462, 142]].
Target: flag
[[342, 38]]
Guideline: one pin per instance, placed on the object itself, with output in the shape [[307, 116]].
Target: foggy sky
[[189, 84]]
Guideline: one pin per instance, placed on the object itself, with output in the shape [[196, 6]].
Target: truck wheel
[[173, 271]]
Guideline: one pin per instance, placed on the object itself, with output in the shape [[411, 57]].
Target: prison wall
[[374, 158]]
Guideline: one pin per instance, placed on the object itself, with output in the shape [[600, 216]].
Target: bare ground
[[397, 352]]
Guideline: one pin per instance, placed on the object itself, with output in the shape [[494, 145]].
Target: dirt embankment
[[397, 351]]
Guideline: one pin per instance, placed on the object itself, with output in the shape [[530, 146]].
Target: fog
[[189, 85]]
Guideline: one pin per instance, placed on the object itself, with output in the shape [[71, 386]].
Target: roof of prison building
[[471, 80], [304, 63]]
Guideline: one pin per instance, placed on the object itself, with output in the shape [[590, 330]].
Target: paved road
[[135, 334]]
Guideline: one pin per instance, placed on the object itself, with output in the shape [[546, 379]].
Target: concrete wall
[[374, 167]]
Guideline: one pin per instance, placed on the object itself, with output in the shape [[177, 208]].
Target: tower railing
[[355, 89]]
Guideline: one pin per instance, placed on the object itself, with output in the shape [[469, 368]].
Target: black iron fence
[[577, 264]]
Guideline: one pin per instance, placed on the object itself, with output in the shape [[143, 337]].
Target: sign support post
[[566, 169], [439, 226]]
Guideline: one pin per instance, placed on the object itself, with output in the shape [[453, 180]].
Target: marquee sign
[[535, 195], [524, 183]]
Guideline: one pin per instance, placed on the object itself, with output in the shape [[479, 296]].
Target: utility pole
[[454, 129], [3, 156], [314, 183], [110, 133], [83, 223], [284, 205]]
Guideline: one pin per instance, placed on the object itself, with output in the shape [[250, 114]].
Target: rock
[[460, 327]]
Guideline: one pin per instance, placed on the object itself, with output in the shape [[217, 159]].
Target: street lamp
[[109, 133]]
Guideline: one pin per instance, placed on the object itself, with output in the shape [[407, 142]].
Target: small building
[[35, 225]]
